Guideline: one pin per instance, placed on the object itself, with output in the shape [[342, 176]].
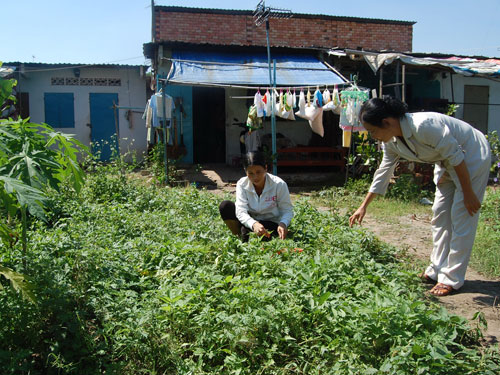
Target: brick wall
[[220, 27]]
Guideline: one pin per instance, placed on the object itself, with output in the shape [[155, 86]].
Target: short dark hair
[[254, 158], [375, 110]]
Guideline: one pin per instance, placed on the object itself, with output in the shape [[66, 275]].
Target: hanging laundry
[[351, 101], [253, 121], [267, 100], [286, 107], [326, 96], [294, 98], [302, 104], [315, 117], [156, 103], [252, 140], [259, 104], [335, 96], [318, 99], [308, 96]]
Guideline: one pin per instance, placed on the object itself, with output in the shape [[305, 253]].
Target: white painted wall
[[298, 131], [459, 81], [131, 93]]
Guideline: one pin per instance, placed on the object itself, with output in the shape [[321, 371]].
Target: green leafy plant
[[33, 160], [452, 109], [6, 87], [495, 151]]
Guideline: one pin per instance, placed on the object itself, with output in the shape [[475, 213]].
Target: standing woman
[[462, 159], [262, 202]]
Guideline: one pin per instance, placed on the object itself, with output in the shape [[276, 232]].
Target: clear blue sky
[[113, 31]]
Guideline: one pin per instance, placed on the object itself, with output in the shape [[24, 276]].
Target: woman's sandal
[[441, 290], [426, 279]]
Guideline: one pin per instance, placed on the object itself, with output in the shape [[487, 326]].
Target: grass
[[486, 252], [133, 279]]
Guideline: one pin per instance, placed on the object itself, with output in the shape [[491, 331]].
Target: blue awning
[[232, 69]]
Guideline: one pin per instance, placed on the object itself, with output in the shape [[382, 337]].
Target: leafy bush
[[155, 284]]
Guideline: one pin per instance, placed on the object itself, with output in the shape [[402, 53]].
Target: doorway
[[209, 125], [103, 125], [476, 99]]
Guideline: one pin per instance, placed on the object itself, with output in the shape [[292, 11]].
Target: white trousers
[[453, 230]]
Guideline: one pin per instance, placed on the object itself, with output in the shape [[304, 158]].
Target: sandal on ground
[[441, 290], [426, 278]]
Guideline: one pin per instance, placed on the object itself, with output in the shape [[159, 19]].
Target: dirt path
[[479, 293]]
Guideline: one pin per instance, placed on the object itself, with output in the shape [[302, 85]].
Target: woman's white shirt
[[273, 204], [434, 138]]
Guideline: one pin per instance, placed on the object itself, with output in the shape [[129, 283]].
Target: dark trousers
[[227, 211]]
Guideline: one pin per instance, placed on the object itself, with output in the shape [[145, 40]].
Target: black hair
[[375, 110], [254, 158]]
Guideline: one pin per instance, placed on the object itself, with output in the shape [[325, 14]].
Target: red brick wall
[[200, 26]]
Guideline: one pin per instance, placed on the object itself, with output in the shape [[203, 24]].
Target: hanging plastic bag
[[302, 104], [253, 121], [259, 104], [286, 108], [336, 101], [326, 97], [294, 98], [317, 123], [310, 112], [318, 99], [267, 100]]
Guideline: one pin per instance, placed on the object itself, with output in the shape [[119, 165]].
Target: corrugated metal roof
[[295, 15], [69, 65]]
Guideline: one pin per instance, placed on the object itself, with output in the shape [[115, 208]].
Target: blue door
[[103, 125]]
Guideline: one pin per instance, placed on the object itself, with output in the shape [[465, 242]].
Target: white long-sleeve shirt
[[273, 204], [434, 138]]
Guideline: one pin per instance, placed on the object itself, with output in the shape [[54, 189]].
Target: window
[[60, 110]]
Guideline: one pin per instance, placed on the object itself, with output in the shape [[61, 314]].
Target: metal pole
[[165, 157], [403, 87], [273, 128], [381, 82], [273, 116]]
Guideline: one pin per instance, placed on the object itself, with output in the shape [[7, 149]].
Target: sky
[[113, 31]]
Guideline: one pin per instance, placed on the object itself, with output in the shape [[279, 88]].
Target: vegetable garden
[[122, 278]]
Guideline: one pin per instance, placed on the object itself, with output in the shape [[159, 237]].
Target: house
[[189, 39], [93, 102]]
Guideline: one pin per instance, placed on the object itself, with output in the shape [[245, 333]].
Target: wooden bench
[[312, 156]]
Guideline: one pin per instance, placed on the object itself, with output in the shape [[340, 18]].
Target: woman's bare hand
[[282, 231], [357, 216], [259, 229]]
